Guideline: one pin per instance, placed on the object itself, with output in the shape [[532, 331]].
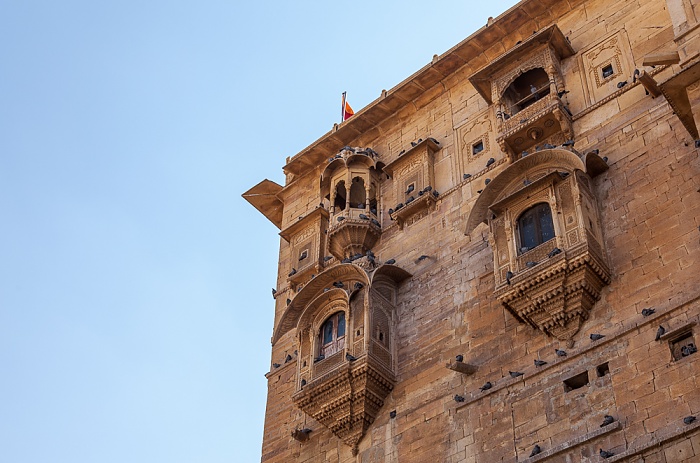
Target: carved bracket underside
[[352, 237], [347, 400], [415, 210], [559, 297]]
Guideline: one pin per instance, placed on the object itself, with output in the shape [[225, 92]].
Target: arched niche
[[525, 90]]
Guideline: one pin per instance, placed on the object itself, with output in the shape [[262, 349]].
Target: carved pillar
[[499, 110], [367, 198], [348, 187], [555, 206], [331, 207], [512, 242], [552, 73]]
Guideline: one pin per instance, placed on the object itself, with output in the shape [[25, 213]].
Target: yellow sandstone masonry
[[518, 194]]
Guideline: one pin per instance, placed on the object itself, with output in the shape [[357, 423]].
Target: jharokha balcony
[[543, 115], [526, 87], [350, 185]]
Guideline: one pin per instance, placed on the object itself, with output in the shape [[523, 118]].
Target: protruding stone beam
[[461, 367], [660, 59]]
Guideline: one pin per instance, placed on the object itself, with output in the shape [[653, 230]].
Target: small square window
[[478, 147], [304, 254], [607, 71], [576, 382], [683, 346]]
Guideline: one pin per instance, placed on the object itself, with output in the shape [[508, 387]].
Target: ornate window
[[346, 348], [548, 252], [332, 335], [306, 243], [535, 227], [414, 179]]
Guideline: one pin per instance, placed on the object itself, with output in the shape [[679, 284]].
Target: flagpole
[[342, 108]]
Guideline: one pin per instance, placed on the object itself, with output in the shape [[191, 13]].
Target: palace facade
[[498, 259]]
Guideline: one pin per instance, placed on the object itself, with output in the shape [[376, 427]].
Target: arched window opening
[[526, 90], [332, 335], [340, 196], [358, 193], [535, 226]]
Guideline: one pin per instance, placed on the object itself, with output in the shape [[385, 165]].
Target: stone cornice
[[469, 51]]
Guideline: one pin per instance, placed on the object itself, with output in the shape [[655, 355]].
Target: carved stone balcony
[[557, 295], [349, 234], [344, 390], [523, 85], [534, 124], [347, 399], [553, 284]]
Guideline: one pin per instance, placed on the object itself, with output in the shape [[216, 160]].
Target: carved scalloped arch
[[323, 306], [312, 290], [557, 159], [519, 72], [327, 174], [313, 295]]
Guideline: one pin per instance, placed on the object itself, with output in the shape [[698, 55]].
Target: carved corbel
[[564, 122], [491, 240]]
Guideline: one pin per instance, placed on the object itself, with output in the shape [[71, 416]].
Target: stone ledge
[[573, 443], [609, 337], [615, 94], [678, 330], [669, 434]]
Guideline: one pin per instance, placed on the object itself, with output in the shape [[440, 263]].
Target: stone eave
[[425, 78], [674, 89], [263, 197], [558, 158], [552, 35]]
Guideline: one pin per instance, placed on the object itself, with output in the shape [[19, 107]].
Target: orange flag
[[346, 109]]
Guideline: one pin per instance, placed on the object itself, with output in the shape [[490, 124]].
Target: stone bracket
[[461, 367]]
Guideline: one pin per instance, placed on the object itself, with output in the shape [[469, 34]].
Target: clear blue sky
[[135, 308]]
